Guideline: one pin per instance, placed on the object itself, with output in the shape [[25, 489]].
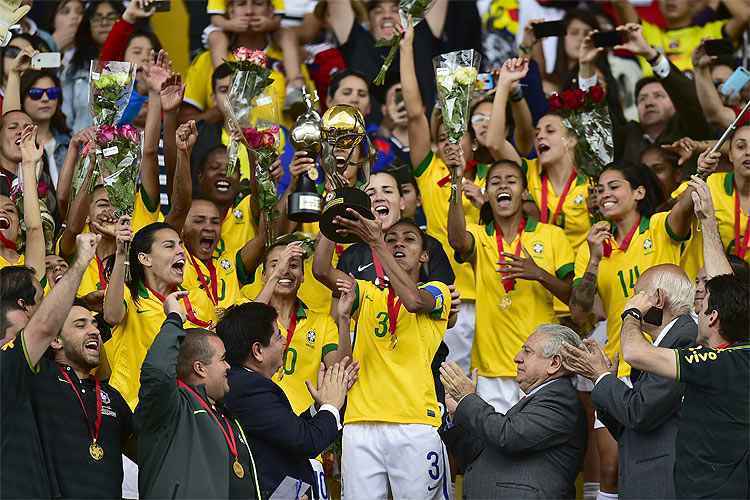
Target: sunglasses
[[11, 52], [479, 118], [53, 93]]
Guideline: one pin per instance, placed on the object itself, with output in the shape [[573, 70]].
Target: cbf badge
[[310, 338], [238, 214], [225, 264]]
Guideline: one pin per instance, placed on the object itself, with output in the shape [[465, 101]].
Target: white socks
[[590, 491], [606, 496]]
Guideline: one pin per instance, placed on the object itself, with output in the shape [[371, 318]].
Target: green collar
[[143, 291], [482, 169], [301, 310], [729, 183], [531, 224], [645, 224]]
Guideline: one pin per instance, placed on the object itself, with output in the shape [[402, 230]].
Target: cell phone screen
[[607, 38], [549, 28]]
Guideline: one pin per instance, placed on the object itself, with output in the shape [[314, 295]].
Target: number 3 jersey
[[653, 243], [395, 382]]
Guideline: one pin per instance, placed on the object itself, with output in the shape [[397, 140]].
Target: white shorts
[[460, 338], [501, 392], [129, 479], [599, 334], [598, 423], [402, 461]]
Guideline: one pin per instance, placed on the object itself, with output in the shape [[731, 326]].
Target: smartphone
[[654, 316], [548, 28], [736, 82], [485, 82], [608, 38], [162, 5], [718, 47], [45, 60]]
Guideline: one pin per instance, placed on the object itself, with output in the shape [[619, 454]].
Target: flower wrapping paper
[[110, 86], [456, 76]]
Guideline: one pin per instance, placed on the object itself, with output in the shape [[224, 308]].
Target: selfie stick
[[727, 133]]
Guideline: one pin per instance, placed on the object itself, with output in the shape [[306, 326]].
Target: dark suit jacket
[[282, 442], [644, 421], [533, 451]]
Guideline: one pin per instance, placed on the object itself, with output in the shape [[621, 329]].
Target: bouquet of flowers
[[48, 222], [264, 143], [587, 116], [84, 172], [118, 160], [456, 76], [246, 95], [417, 10], [109, 91]]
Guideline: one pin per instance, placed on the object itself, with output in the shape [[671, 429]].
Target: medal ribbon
[[10, 245], [382, 280], [94, 433], [188, 309], [227, 431], [212, 288], [102, 277], [607, 245], [560, 202], [292, 327], [740, 246], [508, 284], [394, 306]]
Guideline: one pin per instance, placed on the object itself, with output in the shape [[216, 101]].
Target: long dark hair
[[36, 42], [141, 243], [50, 27], [562, 60], [639, 175], [86, 48], [140, 33], [29, 79]]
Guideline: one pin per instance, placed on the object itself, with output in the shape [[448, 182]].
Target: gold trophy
[[342, 131], [305, 202]]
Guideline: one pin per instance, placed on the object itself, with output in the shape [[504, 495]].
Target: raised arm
[[31, 158], [626, 12], [182, 187], [435, 17], [639, 352], [323, 269], [713, 108], [292, 251], [171, 95], [511, 72], [737, 24], [340, 17], [12, 100], [584, 293], [459, 238], [418, 128], [114, 297], [156, 74], [65, 179], [716, 262], [47, 321]]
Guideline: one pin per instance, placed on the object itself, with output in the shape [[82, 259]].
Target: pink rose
[[105, 134], [257, 57], [42, 189], [268, 140], [130, 133]]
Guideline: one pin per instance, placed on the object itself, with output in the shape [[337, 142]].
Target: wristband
[[635, 313], [653, 60]]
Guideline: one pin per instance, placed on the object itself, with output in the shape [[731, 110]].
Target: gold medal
[[313, 174], [393, 343], [506, 302], [239, 471], [96, 451]]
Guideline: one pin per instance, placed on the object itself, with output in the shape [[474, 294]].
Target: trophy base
[[304, 207], [336, 205]]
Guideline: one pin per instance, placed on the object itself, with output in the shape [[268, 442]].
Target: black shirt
[[66, 437], [713, 439], [362, 56]]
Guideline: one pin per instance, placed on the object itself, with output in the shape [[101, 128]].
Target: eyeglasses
[[478, 119], [108, 19], [11, 52], [53, 93]]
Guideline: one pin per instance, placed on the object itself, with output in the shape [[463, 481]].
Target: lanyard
[[292, 328], [381, 280], [103, 282], [227, 431], [10, 245], [740, 246], [188, 309], [394, 306], [607, 245], [211, 288], [508, 284], [560, 201], [94, 433]]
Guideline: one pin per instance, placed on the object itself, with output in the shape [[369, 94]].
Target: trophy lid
[[343, 126]]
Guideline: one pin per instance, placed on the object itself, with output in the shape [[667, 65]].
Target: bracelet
[[517, 94], [524, 50], [654, 59], [635, 313]]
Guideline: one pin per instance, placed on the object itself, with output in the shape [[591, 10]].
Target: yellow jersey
[[133, 336], [220, 7], [506, 319], [198, 91], [433, 180], [6, 263], [93, 278], [653, 243], [314, 336], [678, 44], [237, 228], [220, 284], [396, 384], [145, 211]]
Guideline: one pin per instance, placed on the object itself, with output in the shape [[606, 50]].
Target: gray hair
[[557, 336], [679, 290]]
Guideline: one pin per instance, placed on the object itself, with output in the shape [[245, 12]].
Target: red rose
[[569, 99], [555, 103], [596, 93], [253, 137]]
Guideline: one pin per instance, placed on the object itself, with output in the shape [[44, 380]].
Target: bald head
[[676, 287]]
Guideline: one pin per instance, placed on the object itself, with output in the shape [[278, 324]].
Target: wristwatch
[[631, 312]]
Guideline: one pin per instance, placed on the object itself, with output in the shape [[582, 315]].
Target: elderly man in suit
[[644, 419], [535, 450]]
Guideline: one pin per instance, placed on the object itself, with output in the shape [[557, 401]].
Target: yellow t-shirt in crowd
[[225, 274], [315, 335], [433, 180], [133, 336], [678, 44], [653, 243], [6, 263], [220, 6], [198, 91], [505, 320], [395, 384]]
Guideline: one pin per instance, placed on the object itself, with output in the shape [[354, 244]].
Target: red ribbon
[[227, 431], [381, 280], [10, 245], [607, 245], [740, 246], [394, 306], [560, 201], [94, 433], [188, 309], [292, 327], [103, 282], [508, 284], [211, 288]]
